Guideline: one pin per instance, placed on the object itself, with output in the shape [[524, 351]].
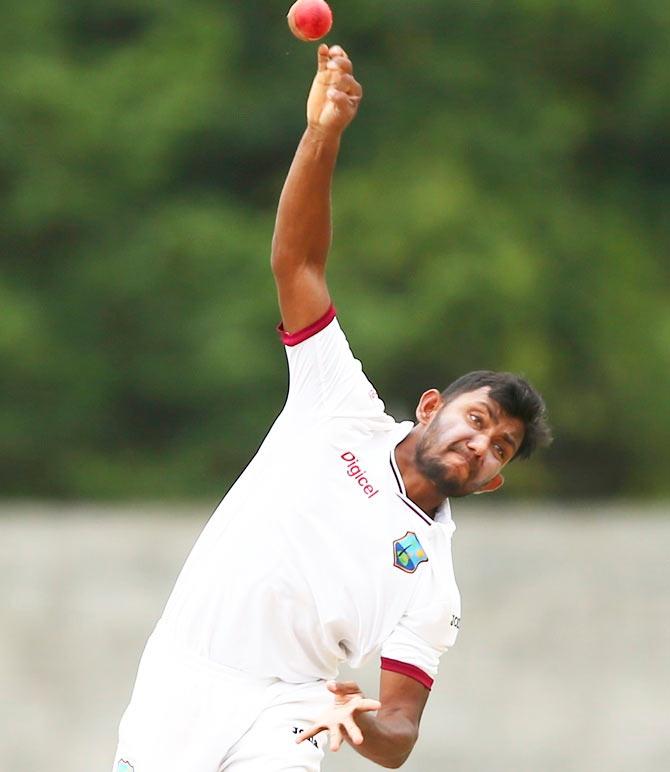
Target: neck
[[420, 490]]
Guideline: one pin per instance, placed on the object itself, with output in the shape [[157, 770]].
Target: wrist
[[323, 137]]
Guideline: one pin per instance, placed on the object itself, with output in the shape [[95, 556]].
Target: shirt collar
[[443, 514]]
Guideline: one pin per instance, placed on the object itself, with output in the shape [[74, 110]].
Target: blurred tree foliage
[[501, 202]]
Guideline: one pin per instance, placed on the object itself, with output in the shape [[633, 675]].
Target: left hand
[[338, 720]]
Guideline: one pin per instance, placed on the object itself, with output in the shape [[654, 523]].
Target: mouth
[[466, 460]]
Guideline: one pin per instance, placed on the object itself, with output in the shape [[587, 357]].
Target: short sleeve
[[419, 639], [325, 379]]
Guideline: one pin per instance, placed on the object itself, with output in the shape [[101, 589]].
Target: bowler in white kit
[[334, 545]]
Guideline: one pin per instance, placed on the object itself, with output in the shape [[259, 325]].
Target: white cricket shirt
[[316, 555]]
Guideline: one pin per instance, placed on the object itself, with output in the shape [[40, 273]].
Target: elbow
[[278, 256], [396, 763], [276, 262], [401, 752], [284, 266], [285, 260]]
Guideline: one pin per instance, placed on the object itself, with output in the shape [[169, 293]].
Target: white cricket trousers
[[188, 714]]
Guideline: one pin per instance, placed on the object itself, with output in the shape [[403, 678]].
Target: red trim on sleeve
[[411, 671], [293, 338]]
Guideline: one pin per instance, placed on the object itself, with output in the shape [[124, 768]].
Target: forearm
[[388, 738], [303, 232]]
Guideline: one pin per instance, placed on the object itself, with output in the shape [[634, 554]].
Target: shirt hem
[[411, 671], [293, 338]]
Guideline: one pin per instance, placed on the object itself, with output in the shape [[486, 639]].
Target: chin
[[459, 491], [451, 486], [451, 480]]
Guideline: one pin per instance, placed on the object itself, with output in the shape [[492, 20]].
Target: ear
[[492, 485], [429, 404]]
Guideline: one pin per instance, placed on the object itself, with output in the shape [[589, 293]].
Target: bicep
[[303, 297], [401, 695]]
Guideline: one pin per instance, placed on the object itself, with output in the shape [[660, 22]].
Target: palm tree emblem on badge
[[408, 554]]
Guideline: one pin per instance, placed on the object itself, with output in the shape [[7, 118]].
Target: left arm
[[386, 738]]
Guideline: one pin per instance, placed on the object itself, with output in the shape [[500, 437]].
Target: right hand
[[335, 94]]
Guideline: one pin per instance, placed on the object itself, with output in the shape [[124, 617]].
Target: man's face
[[466, 443]]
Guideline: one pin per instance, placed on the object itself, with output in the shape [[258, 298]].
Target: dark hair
[[516, 397]]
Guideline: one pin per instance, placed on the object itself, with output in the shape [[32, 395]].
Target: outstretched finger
[[310, 733], [367, 704], [335, 739], [353, 730], [323, 57], [337, 50]]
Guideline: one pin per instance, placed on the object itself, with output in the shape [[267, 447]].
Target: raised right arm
[[302, 233]]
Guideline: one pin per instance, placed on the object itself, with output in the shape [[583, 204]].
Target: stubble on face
[[446, 479]]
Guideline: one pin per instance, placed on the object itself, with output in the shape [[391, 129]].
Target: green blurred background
[[501, 202]]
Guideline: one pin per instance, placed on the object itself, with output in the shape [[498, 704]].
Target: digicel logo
[[355, 472]]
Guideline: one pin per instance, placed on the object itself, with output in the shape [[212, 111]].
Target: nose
[[478, 444]]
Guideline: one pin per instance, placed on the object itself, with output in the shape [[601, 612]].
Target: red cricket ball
[[310, 19]]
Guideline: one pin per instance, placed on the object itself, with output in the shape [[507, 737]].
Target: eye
[[476, 420], [500, 452]]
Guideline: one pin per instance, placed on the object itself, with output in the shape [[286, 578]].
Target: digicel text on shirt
[[355, 471]]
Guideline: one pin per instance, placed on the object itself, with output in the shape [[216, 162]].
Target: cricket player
[[334, 545]]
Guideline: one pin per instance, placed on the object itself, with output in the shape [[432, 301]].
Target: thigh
[[270, 744], [183, 715]]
